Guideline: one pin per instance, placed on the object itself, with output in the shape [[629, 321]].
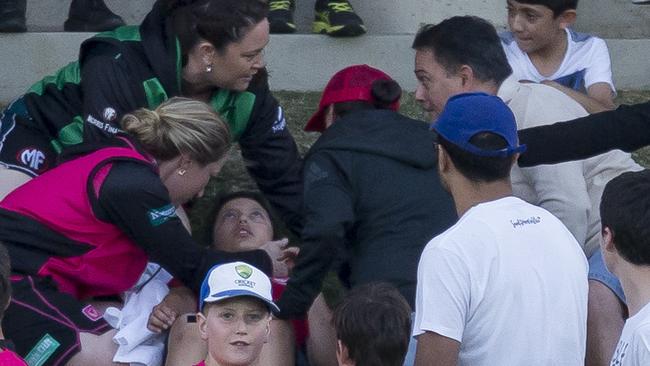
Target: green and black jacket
[[134, 67]]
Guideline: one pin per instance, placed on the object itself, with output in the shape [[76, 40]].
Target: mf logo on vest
[[32, 158]]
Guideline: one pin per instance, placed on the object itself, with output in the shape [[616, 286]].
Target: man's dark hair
[[374, 322], [5, 284], [220, 22], [625, 210], [558, 6], [480, 169], [466, 40], [384, 92]]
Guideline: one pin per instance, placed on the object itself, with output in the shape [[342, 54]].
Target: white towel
[[137, 345]]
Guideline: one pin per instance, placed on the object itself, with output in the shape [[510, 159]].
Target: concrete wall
[[608, 18], [304, 61]]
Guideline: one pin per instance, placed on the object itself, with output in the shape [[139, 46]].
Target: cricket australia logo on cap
[[244, 271]]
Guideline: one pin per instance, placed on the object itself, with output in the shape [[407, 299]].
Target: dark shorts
[[24, 147], [44, 324]]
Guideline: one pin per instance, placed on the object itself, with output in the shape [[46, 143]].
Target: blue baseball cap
[[466, 115], [228, 280]]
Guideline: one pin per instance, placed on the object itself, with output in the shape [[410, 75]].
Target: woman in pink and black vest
[[87, 228]]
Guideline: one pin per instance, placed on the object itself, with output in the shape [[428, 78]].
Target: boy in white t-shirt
[[625, 217], [507, 284], [541, 48]]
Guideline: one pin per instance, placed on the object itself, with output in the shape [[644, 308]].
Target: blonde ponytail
[[180, 126]]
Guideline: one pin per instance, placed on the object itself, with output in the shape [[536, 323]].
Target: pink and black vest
[[54, 232]]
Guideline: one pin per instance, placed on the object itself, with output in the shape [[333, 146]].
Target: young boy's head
[[539, 24], [373, 325], [5, 285], [625, 220], [241, 221], [235, 313]]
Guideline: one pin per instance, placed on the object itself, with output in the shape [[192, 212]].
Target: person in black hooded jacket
[[190, 48], [372, 196]]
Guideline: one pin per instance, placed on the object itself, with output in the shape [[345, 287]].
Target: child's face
[[242, 224], [235, 330], [534, 26]]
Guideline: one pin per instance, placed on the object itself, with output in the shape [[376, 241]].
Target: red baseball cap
[[354, 83]]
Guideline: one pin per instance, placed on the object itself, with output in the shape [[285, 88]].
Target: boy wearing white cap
[[235, 314]]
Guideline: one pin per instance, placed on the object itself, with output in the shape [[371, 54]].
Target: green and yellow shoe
[[337, 18], [281, 16]]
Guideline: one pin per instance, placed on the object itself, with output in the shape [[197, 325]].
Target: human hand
[[161, 318], [281, 256]]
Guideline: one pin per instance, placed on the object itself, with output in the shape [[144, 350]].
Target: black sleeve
[[627, 128], [110, 90], [329, 214], [272, 158], [133, 198]]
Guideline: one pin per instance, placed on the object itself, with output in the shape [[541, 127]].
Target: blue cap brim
[[236, 293]]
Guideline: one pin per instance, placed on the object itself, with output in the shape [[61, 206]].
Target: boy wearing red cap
[[372, 196]]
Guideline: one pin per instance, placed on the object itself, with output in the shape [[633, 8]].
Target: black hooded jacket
[[372, 196]]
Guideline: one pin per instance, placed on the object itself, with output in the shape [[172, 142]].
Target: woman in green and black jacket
[[210, 50]]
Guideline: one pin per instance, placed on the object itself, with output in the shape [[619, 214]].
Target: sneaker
[[12, 16], [336, 18], [281, 16], [91, 16]]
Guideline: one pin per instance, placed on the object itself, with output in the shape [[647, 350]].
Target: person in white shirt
[[625, 216], [541, 47], [464, 54], [507, 284]]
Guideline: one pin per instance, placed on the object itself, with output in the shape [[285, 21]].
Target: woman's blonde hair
[[180, 126]]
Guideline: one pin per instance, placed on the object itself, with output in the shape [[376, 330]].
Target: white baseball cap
[[236, 279]]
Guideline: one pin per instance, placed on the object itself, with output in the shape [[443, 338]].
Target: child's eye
[[256, 216], [254, 317], [227, 316], [229, 215]]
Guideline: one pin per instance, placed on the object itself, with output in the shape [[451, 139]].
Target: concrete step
[[606, 18], [297, 62]]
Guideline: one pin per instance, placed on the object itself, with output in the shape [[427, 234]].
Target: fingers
[[289, 253], [161, 318]]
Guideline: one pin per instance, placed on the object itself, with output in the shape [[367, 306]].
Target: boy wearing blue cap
[[235, 313], [507, 284]]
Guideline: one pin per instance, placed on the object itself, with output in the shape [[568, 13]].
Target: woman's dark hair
[[384, 94], [221, 201], [220, 22]]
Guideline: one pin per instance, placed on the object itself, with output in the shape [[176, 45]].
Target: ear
[[466, 75], [206, 50], [184, 162], [329, 116], [342, 354], [608, 240], [268, 330], [202, 322], [443, 160], [567, 18]]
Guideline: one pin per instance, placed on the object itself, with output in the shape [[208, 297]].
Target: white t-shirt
[[509, 282], [633, 348], [585, 63]]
